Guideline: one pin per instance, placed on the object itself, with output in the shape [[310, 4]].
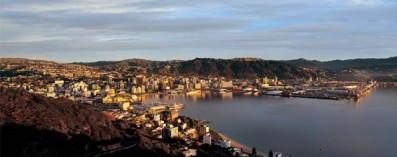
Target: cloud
[[267, 29]]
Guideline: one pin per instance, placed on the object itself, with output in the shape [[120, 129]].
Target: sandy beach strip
[[236, 144]]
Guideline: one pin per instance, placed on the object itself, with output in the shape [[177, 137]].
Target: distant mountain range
[[334, 64], [250, 67], [345, 64], [237, 67]]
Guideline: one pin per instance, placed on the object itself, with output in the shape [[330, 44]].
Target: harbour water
[[300, 127]]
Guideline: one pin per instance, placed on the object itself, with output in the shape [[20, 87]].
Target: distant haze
[[87, 30]]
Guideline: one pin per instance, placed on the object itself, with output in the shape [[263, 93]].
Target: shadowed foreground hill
[[60, 115], [33, 125]]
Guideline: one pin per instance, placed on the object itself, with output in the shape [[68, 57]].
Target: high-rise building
[[110, 79], [139, 90], [207, 138], [143, 88]]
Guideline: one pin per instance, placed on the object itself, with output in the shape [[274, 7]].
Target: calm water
[[300, 127]]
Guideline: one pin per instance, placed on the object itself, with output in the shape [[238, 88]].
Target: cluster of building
[[162, 121], [109, 89], [91, 84], [118, 94]]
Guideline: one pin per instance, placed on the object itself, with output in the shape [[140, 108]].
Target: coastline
[[236, 144]]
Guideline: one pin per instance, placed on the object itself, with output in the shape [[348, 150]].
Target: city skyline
[[83, 31]]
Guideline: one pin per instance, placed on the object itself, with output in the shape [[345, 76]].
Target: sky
[[96, 30]]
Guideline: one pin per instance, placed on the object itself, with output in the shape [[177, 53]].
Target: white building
[[183, 126], [278, 154], [207, 138], [147, 125]]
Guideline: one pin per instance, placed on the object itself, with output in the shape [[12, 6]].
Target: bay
[[299, 126]]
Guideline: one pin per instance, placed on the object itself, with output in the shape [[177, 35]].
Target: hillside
[[345, 64], [23, 61], [129, 62], [240, 68], [237, 67], [33, 125], [60, 115], [381, 69]]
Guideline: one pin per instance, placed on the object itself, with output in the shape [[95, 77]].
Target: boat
[[274, 92]]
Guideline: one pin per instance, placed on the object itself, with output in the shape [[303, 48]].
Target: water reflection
[[228, 95], [195, 97], [357, 102]]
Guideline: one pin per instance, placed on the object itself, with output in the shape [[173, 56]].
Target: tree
[[270, 153], [253, 151]]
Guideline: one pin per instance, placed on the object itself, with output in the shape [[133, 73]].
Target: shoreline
[[236, 144]]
